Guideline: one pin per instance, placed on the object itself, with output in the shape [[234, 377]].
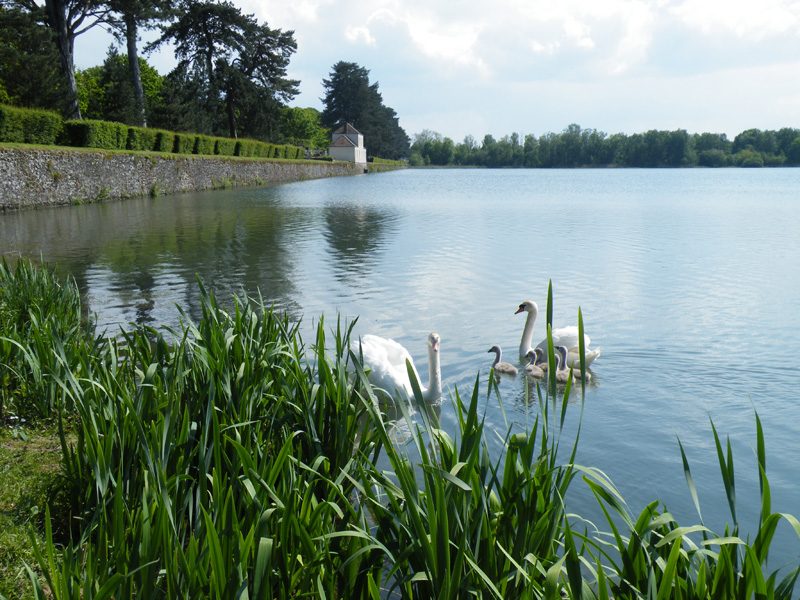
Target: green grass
[[231, 458], [30, 464], [163, 155]]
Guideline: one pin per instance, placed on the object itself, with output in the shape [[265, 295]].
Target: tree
[[302, 126], [240, 64], [29, 71], [129, 16], [106, 91], [67, 19], [351, 98]]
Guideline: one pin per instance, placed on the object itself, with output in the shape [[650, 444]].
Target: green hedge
[[184, 143], [89, 133], [29, 126], [386, 161], [203, 144], [224, 146], [44, 127]]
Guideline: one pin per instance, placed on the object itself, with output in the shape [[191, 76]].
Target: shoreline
[[44, 176]]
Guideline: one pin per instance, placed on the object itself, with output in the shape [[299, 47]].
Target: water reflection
[[356, 234]]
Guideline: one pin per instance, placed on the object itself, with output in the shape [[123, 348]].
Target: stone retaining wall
[[47, 177]]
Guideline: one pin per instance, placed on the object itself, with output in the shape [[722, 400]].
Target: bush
[[748, 158], [203, 144], [141, 138], [184, 143], [96, 134], [712, 158], [165, 141], [225, 146], [29, 126]]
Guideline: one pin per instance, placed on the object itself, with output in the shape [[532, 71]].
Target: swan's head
[[495, 349], [538, 355], [531, 355], [529, 306], [433, 341], [562, 353]]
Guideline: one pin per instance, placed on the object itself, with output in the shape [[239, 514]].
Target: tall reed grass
[[229, 459]]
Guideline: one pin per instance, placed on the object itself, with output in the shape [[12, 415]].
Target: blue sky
[[475, 67]]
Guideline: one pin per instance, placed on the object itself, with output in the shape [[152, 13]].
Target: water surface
[[688, 279]]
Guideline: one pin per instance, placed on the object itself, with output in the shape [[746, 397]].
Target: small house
[[347, 143]]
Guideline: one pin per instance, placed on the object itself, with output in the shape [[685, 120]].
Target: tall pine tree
[[350, 98]]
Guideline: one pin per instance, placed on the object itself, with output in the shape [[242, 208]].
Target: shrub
[[184, 143], [224, 146], [748, 158], [141, 138], [96, 134], [712, 158], [203, 144], [165, 141], [29, 126], [243, 148]]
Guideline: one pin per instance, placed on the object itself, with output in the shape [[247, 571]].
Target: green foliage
[[106, 93], [351, 98], [576, 147], [184, 143], [203, 144], [29, 126], [748, 158], [96, 134], [29, 61], [224, 146], [236, 65], [42, 323], [713, 158], [303, 127], [141, 138]]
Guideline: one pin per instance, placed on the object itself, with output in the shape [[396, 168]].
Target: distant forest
[[576, 147]]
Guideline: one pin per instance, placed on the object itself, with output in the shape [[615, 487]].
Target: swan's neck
[[497, 355], [434, 391], [527, 334]]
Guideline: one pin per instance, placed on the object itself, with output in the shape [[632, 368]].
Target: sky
[[473, 67]]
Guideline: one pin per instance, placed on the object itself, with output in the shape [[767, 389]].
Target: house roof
[[347, 128], [343, 140]]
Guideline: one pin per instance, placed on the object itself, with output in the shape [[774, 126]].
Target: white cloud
[[359, 35], [743, 18]]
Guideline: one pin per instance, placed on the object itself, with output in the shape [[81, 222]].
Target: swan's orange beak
[[519, 310]]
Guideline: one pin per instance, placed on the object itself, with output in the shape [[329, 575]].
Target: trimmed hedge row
[[29, 126], [44, 127], [386, 161]]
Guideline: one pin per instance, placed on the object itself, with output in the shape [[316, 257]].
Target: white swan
[[562, 336], [499, 365], [386, 361]]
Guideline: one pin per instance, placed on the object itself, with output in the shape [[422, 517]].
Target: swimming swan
[[563, 372], [562, 336], [386, 361], [500, 366], [532, 369]]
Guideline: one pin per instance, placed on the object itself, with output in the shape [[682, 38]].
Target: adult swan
[[563, 336], [385, 360]]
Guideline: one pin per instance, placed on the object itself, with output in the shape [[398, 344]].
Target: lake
[[688, 279]]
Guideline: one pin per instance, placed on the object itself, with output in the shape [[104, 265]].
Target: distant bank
[[34, 176]]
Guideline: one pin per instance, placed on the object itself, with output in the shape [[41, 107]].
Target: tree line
[[577, 147], [231, 77]]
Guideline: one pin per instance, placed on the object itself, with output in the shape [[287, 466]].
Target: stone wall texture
[[49, 177]]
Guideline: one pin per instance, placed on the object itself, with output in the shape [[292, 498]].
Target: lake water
[[688, 279]]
